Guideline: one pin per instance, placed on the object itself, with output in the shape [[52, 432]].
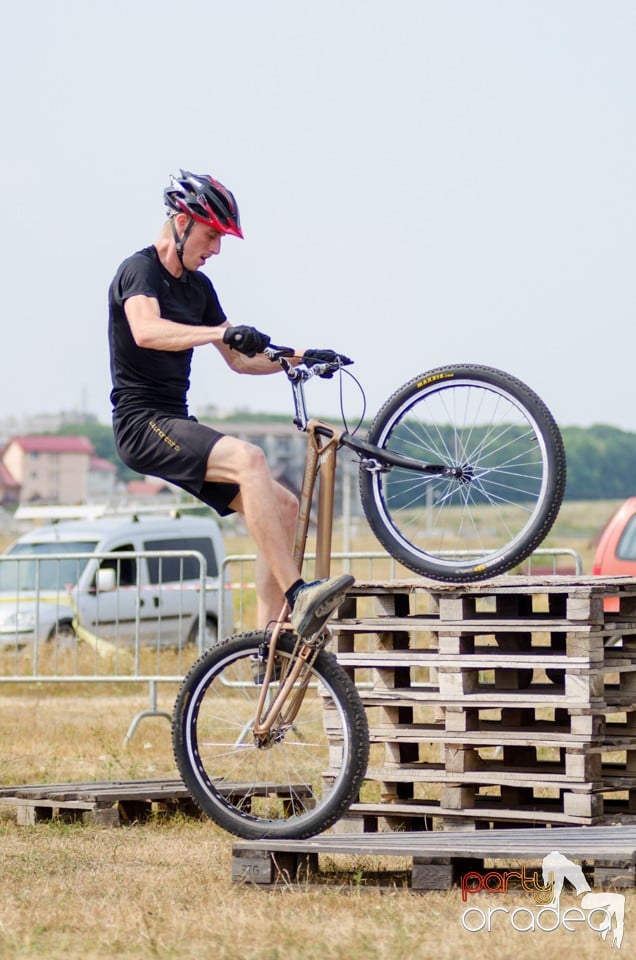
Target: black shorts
[[175, 449]]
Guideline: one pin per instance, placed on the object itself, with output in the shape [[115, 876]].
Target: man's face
[[202, 243]]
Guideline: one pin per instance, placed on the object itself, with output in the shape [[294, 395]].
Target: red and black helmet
[[205, 200]]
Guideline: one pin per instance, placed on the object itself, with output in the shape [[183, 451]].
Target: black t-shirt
[[156, 379]]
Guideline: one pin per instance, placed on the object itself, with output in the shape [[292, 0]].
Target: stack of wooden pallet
[[507, 701]]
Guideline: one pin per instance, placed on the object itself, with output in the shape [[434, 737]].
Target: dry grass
[[163, 890]]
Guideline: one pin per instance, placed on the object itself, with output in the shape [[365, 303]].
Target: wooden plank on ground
[[111, 803], [438, 859]]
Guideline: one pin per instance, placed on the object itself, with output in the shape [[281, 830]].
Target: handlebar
[[304, 370]]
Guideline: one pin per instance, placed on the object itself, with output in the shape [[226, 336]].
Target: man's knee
[[288, 504], [244, 459], [251, 462]]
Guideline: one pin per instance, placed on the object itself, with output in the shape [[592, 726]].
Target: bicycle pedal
[[320, 639]]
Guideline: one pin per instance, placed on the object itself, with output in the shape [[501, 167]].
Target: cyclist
[[160, 308]]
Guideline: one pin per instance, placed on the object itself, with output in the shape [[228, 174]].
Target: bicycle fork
[[274, 719]]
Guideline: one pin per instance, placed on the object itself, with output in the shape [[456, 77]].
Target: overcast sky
[[420, 182]]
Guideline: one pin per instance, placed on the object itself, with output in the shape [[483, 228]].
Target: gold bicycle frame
[[323, 441]]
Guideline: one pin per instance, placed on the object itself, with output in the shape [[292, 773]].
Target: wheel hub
[[464, 473], [266, 741]]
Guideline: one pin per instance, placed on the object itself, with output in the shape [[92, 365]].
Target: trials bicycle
[[461, 477]]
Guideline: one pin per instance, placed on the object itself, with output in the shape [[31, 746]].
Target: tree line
[[601, 463], [601, 459]]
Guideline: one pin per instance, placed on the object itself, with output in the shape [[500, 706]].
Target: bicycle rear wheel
[[508, 473], [306, 776]]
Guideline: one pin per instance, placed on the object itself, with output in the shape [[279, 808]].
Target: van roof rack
[[94, 511]]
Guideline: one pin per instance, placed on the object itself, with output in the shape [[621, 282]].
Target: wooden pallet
[[115, 803], [435, 860], [534, 666]]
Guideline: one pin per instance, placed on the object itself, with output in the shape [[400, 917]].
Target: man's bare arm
[[154, 332]]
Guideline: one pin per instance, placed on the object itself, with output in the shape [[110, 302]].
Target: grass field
[[163, 890]]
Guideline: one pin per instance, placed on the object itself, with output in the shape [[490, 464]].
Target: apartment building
[[52, 469]]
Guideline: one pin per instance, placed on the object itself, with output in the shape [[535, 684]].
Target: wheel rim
[[497, 494], [288, 781]]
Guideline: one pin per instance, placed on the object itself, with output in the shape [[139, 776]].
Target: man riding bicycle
[[160, 308]]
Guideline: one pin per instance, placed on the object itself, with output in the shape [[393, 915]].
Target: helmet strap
[[180, 241]]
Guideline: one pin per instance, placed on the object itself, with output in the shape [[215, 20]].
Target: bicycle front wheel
[[504, 484], [304, 777]]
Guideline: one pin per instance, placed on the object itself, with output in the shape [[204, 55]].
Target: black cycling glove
[[312, 357], [246, 340]]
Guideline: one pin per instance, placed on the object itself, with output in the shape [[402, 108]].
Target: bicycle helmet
[[205, 200]]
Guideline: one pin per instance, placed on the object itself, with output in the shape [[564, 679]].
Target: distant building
[[49, 469], [102, 479], [9, 487]]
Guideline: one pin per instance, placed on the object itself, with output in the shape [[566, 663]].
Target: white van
[[47, 588]]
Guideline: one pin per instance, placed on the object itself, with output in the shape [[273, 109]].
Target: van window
[[125, 567], [626, 549], [174, 569], [45, 574]]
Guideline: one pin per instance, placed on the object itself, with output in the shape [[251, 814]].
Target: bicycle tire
[[510, 473], [294, 788]]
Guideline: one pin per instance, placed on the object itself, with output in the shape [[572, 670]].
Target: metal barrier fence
[[123, 617], [238, 574], [144, 617]]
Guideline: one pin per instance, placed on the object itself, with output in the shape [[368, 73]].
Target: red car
[[616, 550]]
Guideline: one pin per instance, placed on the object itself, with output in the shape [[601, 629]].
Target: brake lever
[[327, 370], [275, 352]]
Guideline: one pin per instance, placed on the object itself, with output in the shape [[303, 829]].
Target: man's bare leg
[[269, 596], [270, 513]]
